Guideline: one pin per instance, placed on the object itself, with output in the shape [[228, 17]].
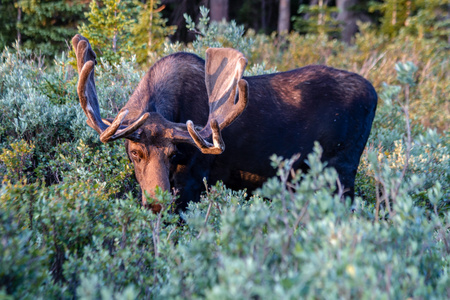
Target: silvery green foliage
[[93, 288], [220, 34], [293, 239], [85, 235], [115, 83], [43, 105], [26, 112], [217, 34], [170, 48], [21, 265], [259, 69], [304, 243], [425, 155], [405, 72]]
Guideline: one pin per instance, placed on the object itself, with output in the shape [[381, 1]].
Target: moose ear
[[224, 69]]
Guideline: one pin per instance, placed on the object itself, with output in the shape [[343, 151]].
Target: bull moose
[[254, 117]]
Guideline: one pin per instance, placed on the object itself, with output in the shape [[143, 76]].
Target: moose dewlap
[[190, 119]]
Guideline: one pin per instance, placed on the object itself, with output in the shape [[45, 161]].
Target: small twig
[[388, 278], [206, 218], [442, 230], [300, 217], [218, 208], [195, 31], [208, 212], [341, 190], [405, 109], [156, 231], [124, 232], [284, 176], [170, 233], [377, 205]]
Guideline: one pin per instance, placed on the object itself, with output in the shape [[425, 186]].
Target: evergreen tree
[[431, 19], [394, 14], [316, 18], [8, 21], [45, 25], [150, 30], [109, 28], [422, 17]]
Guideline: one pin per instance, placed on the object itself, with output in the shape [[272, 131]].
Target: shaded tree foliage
[[150, 30], [426, 18], [122, 28], [108, 28], [8, 16], [45, 25]]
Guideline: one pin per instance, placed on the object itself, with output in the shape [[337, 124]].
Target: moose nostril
[[153, 205], [156, 208]]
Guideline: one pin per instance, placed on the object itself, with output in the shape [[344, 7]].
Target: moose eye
[[172, 155], [135, 155], [177, 158]]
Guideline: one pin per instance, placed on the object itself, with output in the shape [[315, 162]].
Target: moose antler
[[224, 69], [86, 61], [223, 77]]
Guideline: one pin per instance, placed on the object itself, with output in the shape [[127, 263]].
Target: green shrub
[[411, 158], [15, 162], [300, 242], [59, 85], [305, 243], [26, 112], [105, 165], [217, 34], [24, 263], [40, 106], [71, 224]]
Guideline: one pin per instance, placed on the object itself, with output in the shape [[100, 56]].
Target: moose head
[[152, 139]]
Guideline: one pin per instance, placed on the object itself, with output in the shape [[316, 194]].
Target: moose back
[[190, 119]]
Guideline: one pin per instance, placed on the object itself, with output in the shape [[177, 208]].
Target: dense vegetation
[[71, 225]]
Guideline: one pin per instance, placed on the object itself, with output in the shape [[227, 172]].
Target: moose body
[[255, 117]]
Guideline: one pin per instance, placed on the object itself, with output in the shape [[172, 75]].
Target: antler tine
[[224, 70], [112, 133], [218, 145], [87, 93]]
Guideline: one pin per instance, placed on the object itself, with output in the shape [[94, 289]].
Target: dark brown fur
[[286, 113], [282, 113]]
